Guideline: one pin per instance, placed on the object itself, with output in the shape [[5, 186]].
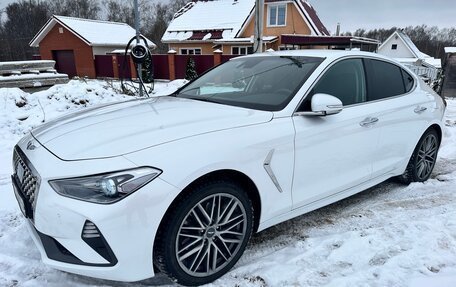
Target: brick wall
[[83, 56]]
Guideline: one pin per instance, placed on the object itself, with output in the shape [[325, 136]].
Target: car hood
[[121, 128]]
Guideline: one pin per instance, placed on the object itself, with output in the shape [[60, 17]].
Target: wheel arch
[[228, 174], [438, 129]]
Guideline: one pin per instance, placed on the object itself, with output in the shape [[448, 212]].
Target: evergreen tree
[[190, 71], [147, 71]]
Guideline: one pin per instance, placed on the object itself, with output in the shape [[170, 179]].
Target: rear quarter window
[[385, 80], [408, 81]]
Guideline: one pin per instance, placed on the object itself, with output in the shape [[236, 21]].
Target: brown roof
[[199, 35], [314, 17]]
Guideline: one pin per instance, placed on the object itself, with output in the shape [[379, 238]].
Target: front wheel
[[206, 233], [423, 159]]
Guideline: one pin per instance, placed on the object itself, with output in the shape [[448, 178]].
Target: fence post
[[171, 65], [134, 72], [217, 57], [115, 67]]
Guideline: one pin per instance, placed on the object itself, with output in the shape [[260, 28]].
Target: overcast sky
[[368, 14]]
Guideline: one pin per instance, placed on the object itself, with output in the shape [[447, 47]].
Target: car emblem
[[31, 145]]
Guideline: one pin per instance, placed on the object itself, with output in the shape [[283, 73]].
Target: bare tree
[[120, 11], [24, 19], [87, 9]]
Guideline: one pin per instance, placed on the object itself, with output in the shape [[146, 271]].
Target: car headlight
[[105, 188]]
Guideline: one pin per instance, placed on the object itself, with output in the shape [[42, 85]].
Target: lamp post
[[141, 92], [259, 15]]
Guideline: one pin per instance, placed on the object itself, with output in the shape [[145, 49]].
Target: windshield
[[263, 83]]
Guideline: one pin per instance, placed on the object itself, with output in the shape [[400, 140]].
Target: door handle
[[420, 109], [367, 122]]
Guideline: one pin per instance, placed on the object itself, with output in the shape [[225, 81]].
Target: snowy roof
[[92, 32], [427, 62], [227, 16], [450, 50], [408, 43], [434, 62], [225, 19]]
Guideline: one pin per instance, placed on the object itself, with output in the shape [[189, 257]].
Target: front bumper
[[124, 251]]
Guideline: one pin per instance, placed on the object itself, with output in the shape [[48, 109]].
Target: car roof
[[328, 54]]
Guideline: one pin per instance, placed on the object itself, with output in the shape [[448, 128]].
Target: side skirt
[[324, 201]]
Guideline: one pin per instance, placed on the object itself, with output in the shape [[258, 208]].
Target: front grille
[[28, 181]]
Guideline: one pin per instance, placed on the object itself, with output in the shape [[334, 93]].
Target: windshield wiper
[[208, 99], [295, 61]]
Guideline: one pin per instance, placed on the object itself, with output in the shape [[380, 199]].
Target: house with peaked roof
[[200, 27], [400, 47], [74, 42]]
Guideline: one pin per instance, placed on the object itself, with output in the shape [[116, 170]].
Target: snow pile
[[389, 235], [22, 111], [450, 50]]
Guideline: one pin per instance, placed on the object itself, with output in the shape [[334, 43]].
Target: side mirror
[[323, 105], [326, 104]]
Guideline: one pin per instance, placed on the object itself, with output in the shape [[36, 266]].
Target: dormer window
[[277, 14]]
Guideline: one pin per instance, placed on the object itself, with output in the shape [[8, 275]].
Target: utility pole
[[141, 92], [259, 15]]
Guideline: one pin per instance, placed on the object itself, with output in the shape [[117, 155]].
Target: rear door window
[[385, 80]]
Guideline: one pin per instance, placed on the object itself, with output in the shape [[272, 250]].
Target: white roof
[[406, 60], [412, 45], [93, 32], [434, 62], [428, 62], [408, 43], [450, 49], [207, 16]]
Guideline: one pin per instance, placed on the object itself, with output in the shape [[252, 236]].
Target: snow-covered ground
[[389, 235]]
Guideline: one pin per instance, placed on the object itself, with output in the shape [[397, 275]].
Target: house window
[[277, 14], [394, 47], [241, 50], [190, 51]]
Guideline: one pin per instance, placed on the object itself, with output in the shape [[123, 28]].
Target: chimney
[[338, 29]]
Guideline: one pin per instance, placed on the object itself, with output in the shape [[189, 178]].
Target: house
[[200, 27], [400, 47], [74, 43]]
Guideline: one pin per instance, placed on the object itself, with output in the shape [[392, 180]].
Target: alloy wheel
[[211, 234], [426, 156]]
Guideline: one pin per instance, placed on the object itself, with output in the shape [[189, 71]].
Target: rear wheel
[[206, 233], [423, 159]]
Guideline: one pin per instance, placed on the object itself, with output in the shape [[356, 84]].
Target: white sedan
[[178, 184]]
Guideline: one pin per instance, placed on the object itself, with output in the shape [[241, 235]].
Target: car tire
[[423, 159], [204, 233]]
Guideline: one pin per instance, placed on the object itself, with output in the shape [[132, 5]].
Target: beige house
[[200, 27]]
